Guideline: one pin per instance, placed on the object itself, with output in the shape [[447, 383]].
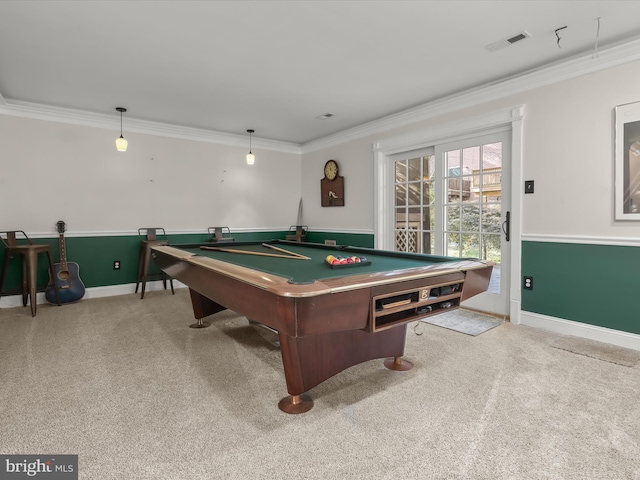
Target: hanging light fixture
[[251, 158], [121, 143]]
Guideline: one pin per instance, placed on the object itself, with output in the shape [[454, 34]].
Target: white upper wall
[[568, 149], [52, 171]]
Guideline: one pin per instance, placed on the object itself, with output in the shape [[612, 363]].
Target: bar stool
[[219, 234], [297, 233], [29, 252], [151, 235]]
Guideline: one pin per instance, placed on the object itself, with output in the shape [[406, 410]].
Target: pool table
[[327, 317]]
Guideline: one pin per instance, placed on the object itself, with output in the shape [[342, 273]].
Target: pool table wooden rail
[[281, 286]]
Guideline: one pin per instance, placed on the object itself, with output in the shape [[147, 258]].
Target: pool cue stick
[[294, 254], [299, 212], [245, 252]]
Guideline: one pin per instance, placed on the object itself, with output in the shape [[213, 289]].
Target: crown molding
[[579, 65], [449, 132], [583, 64], [49, 113]]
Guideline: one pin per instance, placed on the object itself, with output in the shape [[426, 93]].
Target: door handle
[[506, 226]]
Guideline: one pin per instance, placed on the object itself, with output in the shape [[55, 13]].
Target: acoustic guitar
[[66, 276]]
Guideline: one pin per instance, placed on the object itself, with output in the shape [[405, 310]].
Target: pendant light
[[121, 143], [251, 158]]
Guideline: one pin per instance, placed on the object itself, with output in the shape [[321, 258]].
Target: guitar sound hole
[[63, 275]]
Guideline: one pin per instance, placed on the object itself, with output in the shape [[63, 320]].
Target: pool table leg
[[310, 360], [398, 364], [296, 404], [203, 307]]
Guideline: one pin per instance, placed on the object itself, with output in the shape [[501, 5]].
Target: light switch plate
[[528, 186]]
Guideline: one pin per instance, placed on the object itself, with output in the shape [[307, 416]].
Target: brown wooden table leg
[[398, 364]]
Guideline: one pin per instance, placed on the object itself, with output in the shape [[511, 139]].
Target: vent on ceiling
[[506, 42]]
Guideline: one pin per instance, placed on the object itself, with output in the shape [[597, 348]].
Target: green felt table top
[[314, 269]]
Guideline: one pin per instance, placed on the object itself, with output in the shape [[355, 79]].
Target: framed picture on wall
[[627, 174]]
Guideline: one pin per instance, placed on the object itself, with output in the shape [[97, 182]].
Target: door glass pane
[[414, 170], [414, 193], [453, 218], [471, 245], [428, 193], [401, 194], [401, 171], [428, 167], [470, 160], [453, 244], [455, 187], [491, 183], [491, 248], [428, 243], [428, 218], [491, 218], [492, 156], [470, 221], [452, 163], [414, 218], [469, 189], [401, 218]]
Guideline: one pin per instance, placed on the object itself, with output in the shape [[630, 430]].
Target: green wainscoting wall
[[592, 284], [95, 255]]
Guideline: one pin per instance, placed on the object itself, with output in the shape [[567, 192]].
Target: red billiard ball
[[350, 260]]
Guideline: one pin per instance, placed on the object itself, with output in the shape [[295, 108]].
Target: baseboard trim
[[94, 292], [530, 319], [583, 330]]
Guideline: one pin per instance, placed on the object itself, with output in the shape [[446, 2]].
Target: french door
[[453, 199]]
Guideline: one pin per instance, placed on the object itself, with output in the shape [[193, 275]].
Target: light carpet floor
[[126, 385]]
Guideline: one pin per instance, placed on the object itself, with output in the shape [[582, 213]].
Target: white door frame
[[384, 193]]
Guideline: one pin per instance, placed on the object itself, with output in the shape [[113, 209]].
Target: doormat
[[465, 321], [598, 350]]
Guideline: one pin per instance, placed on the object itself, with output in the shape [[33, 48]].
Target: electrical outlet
[[116, 264], [528, 283]]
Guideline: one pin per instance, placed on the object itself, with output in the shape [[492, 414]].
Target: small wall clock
[[332, 186]]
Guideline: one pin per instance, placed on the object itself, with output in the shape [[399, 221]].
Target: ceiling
[[276, 66]]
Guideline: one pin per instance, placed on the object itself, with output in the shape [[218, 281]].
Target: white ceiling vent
[[507, 41]]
